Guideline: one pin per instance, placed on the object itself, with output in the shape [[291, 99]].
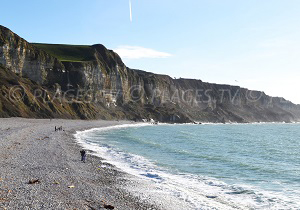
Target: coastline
[[32, 150], [172, 185]]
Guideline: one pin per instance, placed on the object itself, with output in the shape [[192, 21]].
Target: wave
[[198, 192]]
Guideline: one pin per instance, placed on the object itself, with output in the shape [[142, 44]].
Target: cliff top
[[64, 52]]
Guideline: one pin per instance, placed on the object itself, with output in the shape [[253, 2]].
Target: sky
[[250, 43]]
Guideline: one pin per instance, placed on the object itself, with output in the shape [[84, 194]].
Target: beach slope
[[32, 151]]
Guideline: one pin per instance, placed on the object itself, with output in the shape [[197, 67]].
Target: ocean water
[[247, 166]]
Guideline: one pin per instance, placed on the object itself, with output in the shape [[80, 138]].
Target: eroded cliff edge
[[92, 82]]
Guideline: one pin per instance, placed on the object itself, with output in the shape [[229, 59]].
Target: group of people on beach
[[58, 128], [82, 152]]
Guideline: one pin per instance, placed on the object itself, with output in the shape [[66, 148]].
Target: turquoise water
[[242, 165]]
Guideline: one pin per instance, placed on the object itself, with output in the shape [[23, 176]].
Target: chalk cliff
[[91, 82]]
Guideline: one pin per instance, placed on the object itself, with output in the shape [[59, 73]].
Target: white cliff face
[[105, 84], [143, 94], [20, 57]]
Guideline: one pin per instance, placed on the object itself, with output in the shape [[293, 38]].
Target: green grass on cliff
[[74, 53]]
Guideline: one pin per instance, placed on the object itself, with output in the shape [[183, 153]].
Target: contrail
[[130, 9]]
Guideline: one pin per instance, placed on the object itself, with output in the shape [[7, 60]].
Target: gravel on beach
[[31, 151]]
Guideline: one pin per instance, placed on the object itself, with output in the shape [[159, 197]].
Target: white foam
[[195, 192], [114, 127]]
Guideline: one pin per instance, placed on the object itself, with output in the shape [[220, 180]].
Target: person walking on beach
[[83, 155]]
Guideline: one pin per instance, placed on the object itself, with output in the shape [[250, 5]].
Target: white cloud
[[136, 52]]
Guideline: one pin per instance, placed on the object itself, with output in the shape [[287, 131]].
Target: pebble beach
[[40, 168]]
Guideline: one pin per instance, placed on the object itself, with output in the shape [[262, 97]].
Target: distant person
[[83, 155]]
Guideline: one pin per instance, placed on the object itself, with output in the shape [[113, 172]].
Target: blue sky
[[250, 43]]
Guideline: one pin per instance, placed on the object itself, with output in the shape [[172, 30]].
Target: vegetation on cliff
[[51, 77], [21, 97], [72, 53]]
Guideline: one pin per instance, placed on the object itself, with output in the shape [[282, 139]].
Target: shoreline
[[32, 150], [162, 180]]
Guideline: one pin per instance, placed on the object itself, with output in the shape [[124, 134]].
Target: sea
[[208, 166]]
